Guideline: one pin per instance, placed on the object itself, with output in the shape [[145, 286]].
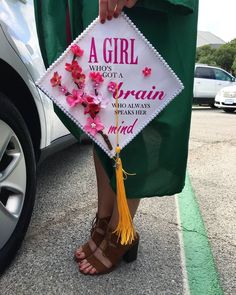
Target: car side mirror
[[233, 79]]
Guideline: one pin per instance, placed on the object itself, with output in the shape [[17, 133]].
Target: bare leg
[[107, 205], [106, 196], [106, 200]]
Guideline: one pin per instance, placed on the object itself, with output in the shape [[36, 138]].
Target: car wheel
[[212, 106], [229, 110], [17, 180]]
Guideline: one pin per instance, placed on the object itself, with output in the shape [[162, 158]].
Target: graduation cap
[[111, 82]]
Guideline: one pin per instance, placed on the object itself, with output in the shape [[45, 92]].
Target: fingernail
[[116, 15], [102, 21], [109, 17]]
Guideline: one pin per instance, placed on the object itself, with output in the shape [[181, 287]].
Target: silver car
[[29, 129], [226, 99]]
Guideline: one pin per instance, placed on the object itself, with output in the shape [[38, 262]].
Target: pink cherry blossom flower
[[96, 100], [79, 79], [111, 87], [93, 125], [63, 89], [91, 108], [147, 71], [77, 50], [96, 77], [73, 67], [81, 84], [75, 98], [89, 99], [55, 80]]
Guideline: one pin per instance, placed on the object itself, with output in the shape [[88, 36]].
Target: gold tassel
[[125, 228]]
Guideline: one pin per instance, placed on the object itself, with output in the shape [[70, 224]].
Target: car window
[[204, 73], [221, 75]]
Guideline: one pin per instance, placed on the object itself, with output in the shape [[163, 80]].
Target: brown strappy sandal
[[97, 233], [113, 252]]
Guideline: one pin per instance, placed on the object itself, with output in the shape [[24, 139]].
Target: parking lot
[[212, 170], [66, 204]]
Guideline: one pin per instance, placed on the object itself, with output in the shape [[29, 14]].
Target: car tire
[[212, 106], [17, 180], [229, 110]]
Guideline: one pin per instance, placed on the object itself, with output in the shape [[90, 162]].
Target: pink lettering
[[130, 129], [151, 92], [93, 53], [118, 92], [118, 51], [124, 44], [115, 50], [132, 61], [128, 92], [105, 51], [159, 94], [123, 129], [139, 94], [112, 129]]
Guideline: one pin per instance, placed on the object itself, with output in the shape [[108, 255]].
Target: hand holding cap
[[112, 8]]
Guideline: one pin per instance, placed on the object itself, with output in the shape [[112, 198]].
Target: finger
[[130, 3], [103, 10], [120, 5], [111, 8]]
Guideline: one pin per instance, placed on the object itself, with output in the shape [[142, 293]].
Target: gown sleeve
[[177, 6]]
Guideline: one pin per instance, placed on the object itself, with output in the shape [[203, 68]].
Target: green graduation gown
[[158, 155]]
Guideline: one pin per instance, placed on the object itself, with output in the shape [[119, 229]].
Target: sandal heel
[[132, 254]]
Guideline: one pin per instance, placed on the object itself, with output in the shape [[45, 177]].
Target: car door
[[18, 24], [204, 82], [223, 79]]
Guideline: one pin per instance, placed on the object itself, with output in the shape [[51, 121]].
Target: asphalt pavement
[[66, 205], [212, 169]]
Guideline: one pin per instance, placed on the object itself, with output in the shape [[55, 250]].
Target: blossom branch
[[92, 104], [106, 139]]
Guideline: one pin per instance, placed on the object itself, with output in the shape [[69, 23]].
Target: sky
[[218, 17]]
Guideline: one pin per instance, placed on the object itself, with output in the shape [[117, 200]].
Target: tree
[[209, 60], [204, 53], [234, 67], [225, 55]]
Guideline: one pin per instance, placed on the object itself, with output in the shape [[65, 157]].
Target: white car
[[208, 81], [29, 128], [226, 99]]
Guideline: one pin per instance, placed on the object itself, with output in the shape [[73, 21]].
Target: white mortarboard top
[[107, 62]]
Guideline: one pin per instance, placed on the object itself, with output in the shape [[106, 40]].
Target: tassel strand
[[125, 228]]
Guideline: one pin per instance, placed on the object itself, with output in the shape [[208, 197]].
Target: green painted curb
[[200, 266]]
